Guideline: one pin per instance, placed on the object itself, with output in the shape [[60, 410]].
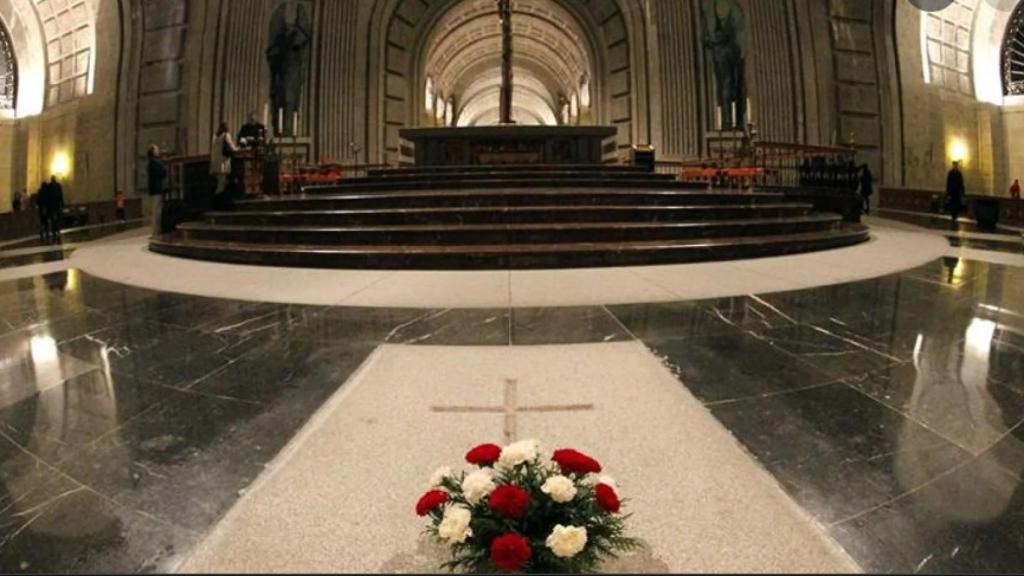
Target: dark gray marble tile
[[675, 320], [287, 365], [60, 526], [32, 362], [361, 325], [58, 422], [747, 312], [734, 366], [966, 522], [949, 392], [159, 353], [467, 327], [576, 325], [828, 351], [185, 461], [836, 451]]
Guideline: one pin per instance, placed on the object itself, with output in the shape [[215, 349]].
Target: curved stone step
[[448, 177], [506, 197], [508, 214], [511, 256], [527, 181], [535, 168], [542, 233]]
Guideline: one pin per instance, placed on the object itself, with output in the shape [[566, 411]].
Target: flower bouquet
[[517, 513]]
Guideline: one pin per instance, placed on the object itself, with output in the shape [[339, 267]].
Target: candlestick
[[295, 124], [718, 118], [750, 112], [280, 120], [732, 119], [266, 114]]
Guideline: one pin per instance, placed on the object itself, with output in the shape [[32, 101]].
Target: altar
[[496, 145]]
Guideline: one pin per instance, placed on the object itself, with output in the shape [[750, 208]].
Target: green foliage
[[606, 533]]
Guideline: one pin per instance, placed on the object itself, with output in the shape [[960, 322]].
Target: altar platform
[[503, 145]]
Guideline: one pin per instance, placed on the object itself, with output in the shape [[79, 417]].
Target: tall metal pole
[[505, 11]]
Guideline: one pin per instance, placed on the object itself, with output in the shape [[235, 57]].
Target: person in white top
[[222, 150]]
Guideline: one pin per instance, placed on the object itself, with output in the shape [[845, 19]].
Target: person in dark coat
[[56, 208], [252, 132], [867, 186], [955, 192], [50, 203], [42, 203]]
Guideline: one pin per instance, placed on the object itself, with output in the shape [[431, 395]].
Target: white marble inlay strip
[[341, 496], [129, 261]]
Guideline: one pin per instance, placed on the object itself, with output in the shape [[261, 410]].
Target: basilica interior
[[266, 264]]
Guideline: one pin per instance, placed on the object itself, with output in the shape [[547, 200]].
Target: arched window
[[946, 46], [70, 48], [1013, 54], [574, 106], [8, 72]]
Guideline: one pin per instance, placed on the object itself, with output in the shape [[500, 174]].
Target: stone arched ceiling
[[55, 45], [462, 56]]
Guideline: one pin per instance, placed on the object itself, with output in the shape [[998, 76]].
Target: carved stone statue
[[724, 39], [288, 59]]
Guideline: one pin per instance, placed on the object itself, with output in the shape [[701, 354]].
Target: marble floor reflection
[[891, 409]]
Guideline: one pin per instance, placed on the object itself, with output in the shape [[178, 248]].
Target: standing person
[[867, 187], [252, 133], [1015, 190], [56, 209], [16, 201], [222, 150], [955, 191], [119, 205], [42, 202], [156, 175]]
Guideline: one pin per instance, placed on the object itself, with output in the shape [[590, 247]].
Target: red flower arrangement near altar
[[518, 513]]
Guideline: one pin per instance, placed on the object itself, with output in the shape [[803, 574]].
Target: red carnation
[[510, 501], [573, 462], [510, 552], [430, 501], [484, 454], [607, 498]]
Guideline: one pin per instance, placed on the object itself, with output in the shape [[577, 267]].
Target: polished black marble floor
[[891, 409], [942, 222]]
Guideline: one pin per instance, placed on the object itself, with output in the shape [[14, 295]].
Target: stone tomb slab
[[341, 496]]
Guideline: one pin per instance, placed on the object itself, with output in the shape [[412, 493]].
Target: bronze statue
[[723, 38], [288, 58]]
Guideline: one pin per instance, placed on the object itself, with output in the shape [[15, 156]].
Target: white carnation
[[478, 485], [519, 452], [559, 488], [567, 541], [454, 527], [439, 475]]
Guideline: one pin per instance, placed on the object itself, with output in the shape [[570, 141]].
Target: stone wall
[[818, 70], [81, 130], [935, 119]]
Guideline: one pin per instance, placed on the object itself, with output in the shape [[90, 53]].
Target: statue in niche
[[288, 59], [723, 23]]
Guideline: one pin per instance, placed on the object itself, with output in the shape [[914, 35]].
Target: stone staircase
[[508, 217]]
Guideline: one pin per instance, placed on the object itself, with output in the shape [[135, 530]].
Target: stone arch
[[615, 35], [29, 46]]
